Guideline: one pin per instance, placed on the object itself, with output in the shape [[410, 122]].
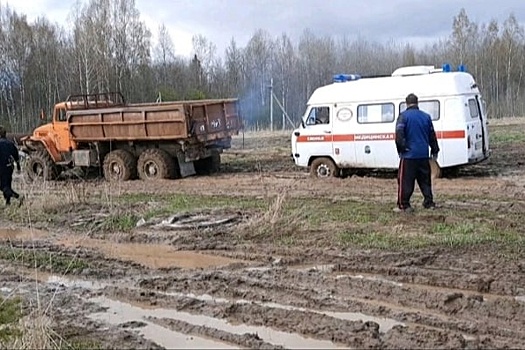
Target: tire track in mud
[[497, 317], [420, 290]]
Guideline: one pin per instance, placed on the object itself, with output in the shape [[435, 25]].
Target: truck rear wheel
[[41, 166], [323, 168], [120, 165], [155, 164]]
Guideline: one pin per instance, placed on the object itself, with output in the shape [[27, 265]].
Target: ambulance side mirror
[[302, 124]]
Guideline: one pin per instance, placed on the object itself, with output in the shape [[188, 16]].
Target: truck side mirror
[[43, 114]]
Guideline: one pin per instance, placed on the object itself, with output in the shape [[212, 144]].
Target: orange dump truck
[[147, 140]]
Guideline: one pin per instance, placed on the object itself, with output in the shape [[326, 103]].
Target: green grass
[[124, 222], [439, 234], [181, 202], [81, 344], [10, 313], [503, 136], [45, 260]]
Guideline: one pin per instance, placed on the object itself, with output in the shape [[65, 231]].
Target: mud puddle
[[11, 234], [119, 312], [154, 256]]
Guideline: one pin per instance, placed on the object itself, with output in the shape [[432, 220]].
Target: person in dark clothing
[[8, 156], [414, 136]]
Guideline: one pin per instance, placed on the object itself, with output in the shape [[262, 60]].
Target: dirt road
[[262, 256]]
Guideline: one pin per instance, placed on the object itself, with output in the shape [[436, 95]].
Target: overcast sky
[[416, 21]]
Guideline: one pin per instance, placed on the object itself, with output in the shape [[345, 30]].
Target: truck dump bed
[[204, 120]]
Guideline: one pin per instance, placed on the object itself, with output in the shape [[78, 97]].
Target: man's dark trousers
[[411, 170], [6, 179]]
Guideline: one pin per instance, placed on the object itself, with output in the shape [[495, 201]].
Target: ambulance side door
[[375, 142], [316, 137], [343, 136]]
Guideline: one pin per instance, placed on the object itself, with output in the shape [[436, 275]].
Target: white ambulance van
[[350, 124]]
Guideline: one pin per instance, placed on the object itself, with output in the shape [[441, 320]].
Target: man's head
[[3, 132], [411, 100]]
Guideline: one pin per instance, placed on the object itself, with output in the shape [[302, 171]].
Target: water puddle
[[6, 290], [75, 283], [385, 324], [311, 268], [370, 278], [21, 233], [152, 255], [120, 312]]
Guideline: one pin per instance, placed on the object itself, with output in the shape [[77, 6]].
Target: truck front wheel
[[120, 165], [41, 166], [155, 164], [323, 168]]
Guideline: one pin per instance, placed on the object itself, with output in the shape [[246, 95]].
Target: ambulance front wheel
[[323, 168]]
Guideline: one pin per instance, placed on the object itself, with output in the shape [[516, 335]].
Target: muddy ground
[[262, 256]]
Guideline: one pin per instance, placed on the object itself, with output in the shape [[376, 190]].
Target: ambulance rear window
[[430, 107], [473, 107]]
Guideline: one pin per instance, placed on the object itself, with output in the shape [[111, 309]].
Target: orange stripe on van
[[454, 134]]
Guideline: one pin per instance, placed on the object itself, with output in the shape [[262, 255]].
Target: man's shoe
[[431, 206], [406, 210]]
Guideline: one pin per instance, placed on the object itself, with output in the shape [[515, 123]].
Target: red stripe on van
[[453, 134], [343, 138], [315, 138]]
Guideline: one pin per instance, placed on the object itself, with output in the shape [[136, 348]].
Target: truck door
[[61, 128], [316, 138]]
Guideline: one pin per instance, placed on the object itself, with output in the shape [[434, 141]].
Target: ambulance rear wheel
[[323, 168]]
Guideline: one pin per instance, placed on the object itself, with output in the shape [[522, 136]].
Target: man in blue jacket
[[414, 136], [8, 158]]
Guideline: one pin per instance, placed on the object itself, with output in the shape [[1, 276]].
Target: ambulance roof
[[430, 85]]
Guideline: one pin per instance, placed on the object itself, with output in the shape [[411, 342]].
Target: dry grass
[[277, 222], [35, 333], [32, 328]]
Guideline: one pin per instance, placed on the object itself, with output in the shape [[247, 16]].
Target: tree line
[[108, 48]]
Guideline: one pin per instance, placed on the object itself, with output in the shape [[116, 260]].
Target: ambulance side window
[[430, 107], [375, 113], [318, 115]]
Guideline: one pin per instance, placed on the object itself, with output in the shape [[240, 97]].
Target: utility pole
[[284, 120], [271, 104]]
